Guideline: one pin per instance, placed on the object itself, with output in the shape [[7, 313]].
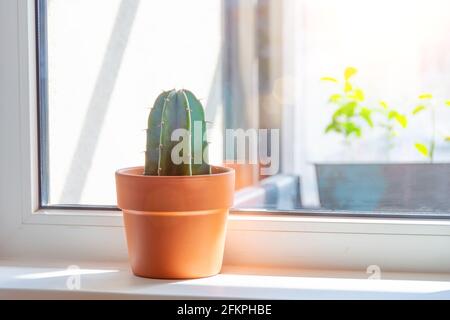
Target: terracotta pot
[[175, 225], [246, 174]]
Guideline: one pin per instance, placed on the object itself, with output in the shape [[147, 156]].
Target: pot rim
[[129, 171], [136, 191]]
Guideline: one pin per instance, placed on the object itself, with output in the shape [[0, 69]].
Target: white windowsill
[[115, 281]]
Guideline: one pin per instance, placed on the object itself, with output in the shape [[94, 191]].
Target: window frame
[[253, 240]]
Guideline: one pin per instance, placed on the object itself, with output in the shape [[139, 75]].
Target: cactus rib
[[176, 110]]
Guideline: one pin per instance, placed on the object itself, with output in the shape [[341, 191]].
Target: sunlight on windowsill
[[63, 273]]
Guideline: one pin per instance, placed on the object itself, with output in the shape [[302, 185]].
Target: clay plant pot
[[175, 225]]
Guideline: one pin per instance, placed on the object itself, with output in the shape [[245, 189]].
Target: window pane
[[373, 142], [107, 61]]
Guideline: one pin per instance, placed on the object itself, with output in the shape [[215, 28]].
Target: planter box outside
[[415, 187]]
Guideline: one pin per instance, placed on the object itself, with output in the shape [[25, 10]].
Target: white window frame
[[254, 239]]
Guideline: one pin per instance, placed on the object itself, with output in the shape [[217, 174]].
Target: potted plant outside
[[382, 185], [175, 208], [428, 104]]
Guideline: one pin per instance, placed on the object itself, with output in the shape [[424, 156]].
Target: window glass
[[107, 62], [374, 98], [348, 101]]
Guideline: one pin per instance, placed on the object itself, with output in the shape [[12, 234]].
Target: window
[[266, 48], [361, 101]]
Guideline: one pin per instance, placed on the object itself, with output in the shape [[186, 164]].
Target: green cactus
[[176, 110]]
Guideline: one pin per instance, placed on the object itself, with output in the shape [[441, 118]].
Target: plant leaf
[[356, 94], [332, 127], [418, 109], [347, 87], [447, 102], [392, 114], [366, 115], [426, 96], [359, 94], [347, 110], [422, 149], [351, 128], [401, 119], [329, 79], [335, 98], [349, 72], [384, 104]]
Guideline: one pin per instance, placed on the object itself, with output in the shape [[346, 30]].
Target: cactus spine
[[176, 110]]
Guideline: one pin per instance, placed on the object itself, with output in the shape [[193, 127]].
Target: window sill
[[115, 281], [253, 240]]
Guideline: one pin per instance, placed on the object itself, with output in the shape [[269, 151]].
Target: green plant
[[391, 119], [350, 112], [428, 104], [174, 110]]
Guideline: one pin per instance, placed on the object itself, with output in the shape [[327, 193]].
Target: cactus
[[176, 110]]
